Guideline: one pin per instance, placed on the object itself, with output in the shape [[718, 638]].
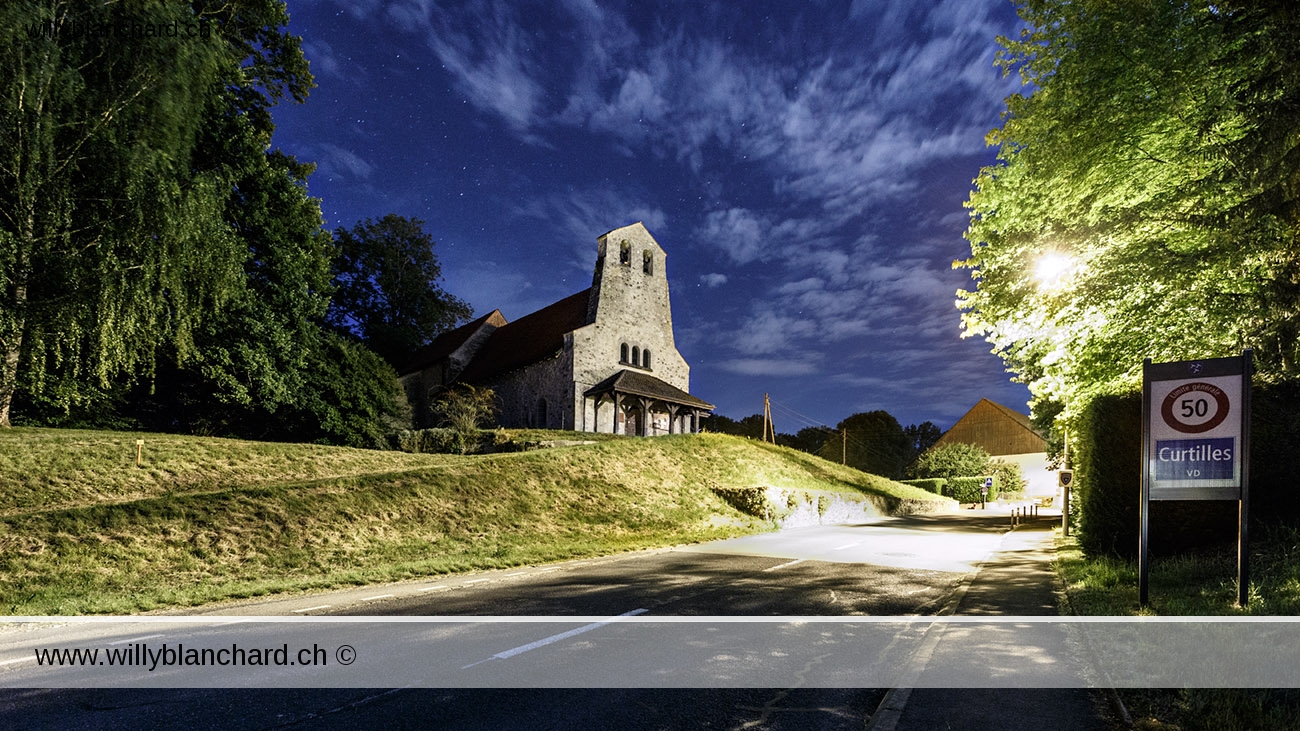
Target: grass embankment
[[1200, 584], [82, 530]]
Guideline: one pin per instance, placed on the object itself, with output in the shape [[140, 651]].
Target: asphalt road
[[904, 566]]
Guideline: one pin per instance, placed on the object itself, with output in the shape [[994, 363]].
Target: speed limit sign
[[1195, 415]]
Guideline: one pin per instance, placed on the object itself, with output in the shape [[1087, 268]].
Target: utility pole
[[767, 419]]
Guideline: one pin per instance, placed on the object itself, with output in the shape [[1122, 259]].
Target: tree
[[1156, 162], [872, 441], [388, 293], [112, 243], [921, 437], [951, 460]]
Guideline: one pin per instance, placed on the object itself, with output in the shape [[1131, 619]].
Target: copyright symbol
[[345, 655]]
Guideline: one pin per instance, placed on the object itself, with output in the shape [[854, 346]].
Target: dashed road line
[[506, 654], [376, 598], [134, 639], [439, 587], [311, 609], [787, 563]]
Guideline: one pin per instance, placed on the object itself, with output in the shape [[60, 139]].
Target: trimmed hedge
[[1108, 479], [930, 484], [967, 489]]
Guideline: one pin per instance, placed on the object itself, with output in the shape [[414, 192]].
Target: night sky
[[803, 164]]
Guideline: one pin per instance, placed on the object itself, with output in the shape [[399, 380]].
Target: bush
[[438, 440], [932, 484], [1108, 487], [969, 489], [463, 409], [1008, 477], [951, 460]]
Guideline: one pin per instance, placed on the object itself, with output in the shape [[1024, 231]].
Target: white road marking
[[376, 598], [846, 545], [311, 609], [475, 581], [134, 639], [787, 563], [517, 573], [435, 588], [555, 638]]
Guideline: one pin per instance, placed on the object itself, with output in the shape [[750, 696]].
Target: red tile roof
[[529, 339]]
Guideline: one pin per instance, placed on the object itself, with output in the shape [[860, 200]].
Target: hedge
[[1108, 477], [931, 484], [968, 489]]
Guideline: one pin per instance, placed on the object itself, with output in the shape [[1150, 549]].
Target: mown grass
[[1199, 584], [201, 525]]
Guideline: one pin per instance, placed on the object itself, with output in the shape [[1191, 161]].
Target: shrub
[[951, 460], [438, 440], [1008, 477], [968, 489], [463, 409], [932, 484]]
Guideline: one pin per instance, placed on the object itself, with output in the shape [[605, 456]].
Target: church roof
[[529, 339], [997, 429], [447, 343], [643, 384]]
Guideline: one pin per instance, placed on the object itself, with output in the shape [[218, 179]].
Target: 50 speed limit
[[1193, 408]]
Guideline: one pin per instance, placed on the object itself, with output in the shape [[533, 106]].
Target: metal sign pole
[[1144, 558], [1243, 505]]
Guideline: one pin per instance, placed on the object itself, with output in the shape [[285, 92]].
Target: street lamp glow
[[1052, 269]]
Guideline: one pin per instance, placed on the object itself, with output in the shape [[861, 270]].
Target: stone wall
[[520, 394], [628, 306]]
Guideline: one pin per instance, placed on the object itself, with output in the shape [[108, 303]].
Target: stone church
[[600, 360]]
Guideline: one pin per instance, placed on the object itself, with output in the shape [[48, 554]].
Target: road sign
[[1064, 478], [1196, 445], [1195, 414]]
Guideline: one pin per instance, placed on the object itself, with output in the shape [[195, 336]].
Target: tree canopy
[[389, 291], [113, 181], [1146, 199]]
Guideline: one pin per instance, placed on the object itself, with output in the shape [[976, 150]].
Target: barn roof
[[996, 429]]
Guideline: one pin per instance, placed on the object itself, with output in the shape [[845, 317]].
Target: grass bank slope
[[83, 531]]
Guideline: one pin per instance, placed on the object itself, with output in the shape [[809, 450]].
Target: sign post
[[1196, 445], [1064, 479]]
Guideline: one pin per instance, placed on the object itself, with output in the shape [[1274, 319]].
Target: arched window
[[636, 356], [645, 359], [625, 254], [622, 353], [647, 262]]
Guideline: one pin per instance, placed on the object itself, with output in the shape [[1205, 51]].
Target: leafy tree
[[112, 243], [921, 437], [463, 409], [1009, 476], [1155, 160], [951, 460], [873, 442], [388, 292], [809, 439]]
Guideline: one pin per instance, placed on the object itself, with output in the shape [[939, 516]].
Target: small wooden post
[[139, 449]]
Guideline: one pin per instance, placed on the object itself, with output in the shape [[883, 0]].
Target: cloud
[[339, 162], [769, 366], [582, 215], [713, 280]]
